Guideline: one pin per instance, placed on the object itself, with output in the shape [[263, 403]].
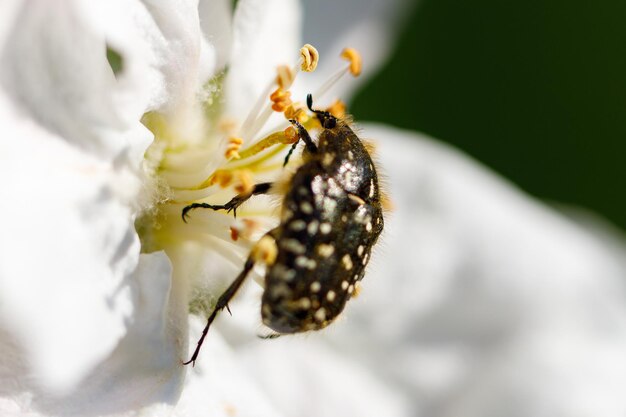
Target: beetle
[[331, 217]]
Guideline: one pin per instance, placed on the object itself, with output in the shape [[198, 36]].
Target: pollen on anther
[[291, 134], [232, 150], [284, 76], [310, 58], [246, 184], [337, 109], [296, 111], [221, 177], [265, 250], [354, 57], [281, 99]]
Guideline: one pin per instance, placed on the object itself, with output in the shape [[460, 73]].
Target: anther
[[337, 109], [234, 234], [296, 111], [281, 99], [354, 57], [310, 58], [232, 150], [265, 250], [245, 185], [285, 76], [292, 134], [222, 178]]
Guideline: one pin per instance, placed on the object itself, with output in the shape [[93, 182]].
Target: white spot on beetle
[[297, 225], [320, 314], [306, 207], [292, 245], [344, 285], [312, 227], [325, 250], [325, 228], [360, 250], [315, 286], [347, 262], [330, 296]]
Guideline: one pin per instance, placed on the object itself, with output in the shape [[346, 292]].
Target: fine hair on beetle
[[331, 215]]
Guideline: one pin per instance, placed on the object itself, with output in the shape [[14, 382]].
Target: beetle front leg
[[233, 204]]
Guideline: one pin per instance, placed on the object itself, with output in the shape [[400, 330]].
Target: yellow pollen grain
[[337, 109], [265, 250], [281, 99], [310, 58], [245, 184], [227, 125], [285, 76], [221, 177], [232, 150], [353, 56], [291, 134], [296, 111]]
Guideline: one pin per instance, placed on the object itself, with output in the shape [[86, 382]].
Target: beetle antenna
[[327, 120]]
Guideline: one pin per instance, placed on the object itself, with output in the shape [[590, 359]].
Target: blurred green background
[[535, 89]]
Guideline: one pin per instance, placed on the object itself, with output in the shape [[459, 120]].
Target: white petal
[[144, 372], [369, 26], [219, 385], [479, 293], [54, 65], [305, 377], [216, 21], [266, 33], [67, 244]]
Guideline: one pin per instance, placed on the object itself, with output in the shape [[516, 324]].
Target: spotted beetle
[[331, 217]]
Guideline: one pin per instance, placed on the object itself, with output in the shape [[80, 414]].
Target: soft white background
[[479, 301]]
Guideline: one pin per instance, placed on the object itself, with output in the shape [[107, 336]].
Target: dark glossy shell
[[331, 218]]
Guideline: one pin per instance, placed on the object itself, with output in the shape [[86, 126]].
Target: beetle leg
[[233, 204], [222, 303]]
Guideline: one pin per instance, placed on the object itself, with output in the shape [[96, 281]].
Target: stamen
[[246, 185], [244, 229], [285, 76], [310, 58], [281, 99], [337, 109], [234, 233], [354, 57], [222, 177], [265, 250], [354, 67], [296, 111], [291, 134], [234, 144]]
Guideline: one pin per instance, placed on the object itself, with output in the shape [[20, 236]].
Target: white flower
[[482, 302]]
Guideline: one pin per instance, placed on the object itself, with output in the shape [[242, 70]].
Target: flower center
[[221, 159]]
